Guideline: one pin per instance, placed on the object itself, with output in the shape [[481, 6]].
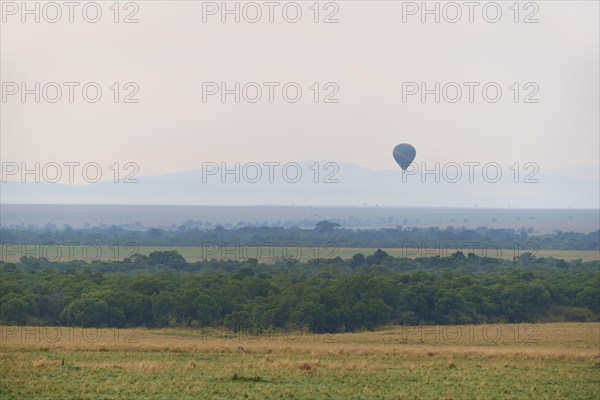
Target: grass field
[[266, 253], [542, 361]]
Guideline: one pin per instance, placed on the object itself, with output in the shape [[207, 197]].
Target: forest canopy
[[333, 295]]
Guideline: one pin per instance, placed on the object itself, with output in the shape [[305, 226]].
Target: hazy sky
[[368, 55]]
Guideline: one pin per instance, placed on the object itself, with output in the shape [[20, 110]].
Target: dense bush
[[324, 295]]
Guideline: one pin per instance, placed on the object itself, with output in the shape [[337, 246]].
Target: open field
[[265, 254], [505, 361]]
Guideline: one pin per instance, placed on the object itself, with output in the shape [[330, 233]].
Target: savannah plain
[[270, 254], [499, 361]]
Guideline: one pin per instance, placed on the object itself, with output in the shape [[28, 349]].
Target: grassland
[[266, 253], [542, 361]]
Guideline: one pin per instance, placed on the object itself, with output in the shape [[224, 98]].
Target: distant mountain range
[[356, 186]]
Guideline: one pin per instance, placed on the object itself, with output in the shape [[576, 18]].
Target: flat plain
[[497, 361], [264, 253]]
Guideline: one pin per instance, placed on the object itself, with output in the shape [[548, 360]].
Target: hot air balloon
[[404, 154]]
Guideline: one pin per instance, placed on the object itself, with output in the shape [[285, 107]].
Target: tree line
[[323, 232], [333, 295]]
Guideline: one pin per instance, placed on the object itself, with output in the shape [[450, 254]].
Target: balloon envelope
[[404, 154]]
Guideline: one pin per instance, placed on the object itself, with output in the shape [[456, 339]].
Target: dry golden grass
[[551, 340], [559, 360], [45, 363]]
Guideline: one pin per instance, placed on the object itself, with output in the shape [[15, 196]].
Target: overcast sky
[[368, 55]]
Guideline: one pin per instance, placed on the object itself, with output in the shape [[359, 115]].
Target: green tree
[[86, 312], [326, 226], [14, 311]]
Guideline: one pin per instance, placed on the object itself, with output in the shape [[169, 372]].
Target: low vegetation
[[548, 361]]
